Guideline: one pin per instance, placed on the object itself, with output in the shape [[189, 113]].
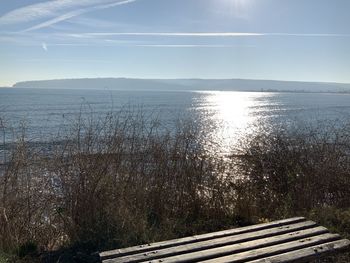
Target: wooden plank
[[220, 242], [307, 254], [276, 249], [187, 240], [233, 253]]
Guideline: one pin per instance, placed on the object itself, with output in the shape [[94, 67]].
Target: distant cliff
[[186, 84]]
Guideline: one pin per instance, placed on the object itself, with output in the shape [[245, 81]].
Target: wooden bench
[[289, 240]]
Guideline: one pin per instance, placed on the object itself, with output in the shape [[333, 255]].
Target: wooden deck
[[289, 240]]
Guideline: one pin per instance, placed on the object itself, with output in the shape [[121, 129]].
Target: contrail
[[76, 13], [45, 9], [202, 34]]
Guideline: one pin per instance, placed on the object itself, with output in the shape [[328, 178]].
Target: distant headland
[[187, 84]]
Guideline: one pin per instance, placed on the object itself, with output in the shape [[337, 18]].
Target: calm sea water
[[225, 115]]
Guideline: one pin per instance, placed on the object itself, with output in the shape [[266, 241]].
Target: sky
[[301, 40]]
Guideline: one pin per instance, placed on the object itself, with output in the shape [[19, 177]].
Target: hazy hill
[[186, 84]]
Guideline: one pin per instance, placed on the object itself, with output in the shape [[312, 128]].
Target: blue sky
[[307, 40]]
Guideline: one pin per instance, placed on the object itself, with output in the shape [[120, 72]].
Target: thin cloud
[[43, 10], [191, 46], [168, 34], [57, 10], [157, 45], [306, 35], [64, 60], [132, 44], [201, 34], [76, 13], [44, 46]]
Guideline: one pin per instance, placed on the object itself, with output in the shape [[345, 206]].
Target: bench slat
[[197, 238], [307, 254], [275, 250], [218, 254], [250, 250], [220, 242]]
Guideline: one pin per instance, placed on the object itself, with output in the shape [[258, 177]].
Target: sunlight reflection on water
[[226, 116], [232, 115]]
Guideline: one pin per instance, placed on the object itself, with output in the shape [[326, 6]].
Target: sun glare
[[233, 113], [234, 7]]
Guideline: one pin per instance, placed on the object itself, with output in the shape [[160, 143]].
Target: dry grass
[[124, 179], [114, 182], [294, 171]]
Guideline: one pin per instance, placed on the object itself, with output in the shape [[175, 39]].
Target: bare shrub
[[120, 180], [286, 172], [124, 179]]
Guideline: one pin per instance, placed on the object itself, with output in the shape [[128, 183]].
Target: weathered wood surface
[[225, 245], [289, 240], [192, 239], [307, 254]]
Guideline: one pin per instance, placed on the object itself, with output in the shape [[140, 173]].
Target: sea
[[224, 116]]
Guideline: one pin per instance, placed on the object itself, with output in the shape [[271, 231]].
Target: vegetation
[[125, 180]]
